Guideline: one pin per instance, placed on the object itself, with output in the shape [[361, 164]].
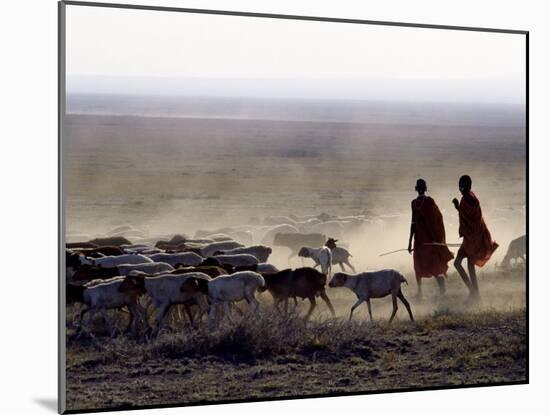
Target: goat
[[294, 241], [340, 255], [378, 284], [302, 282], [322, 256]]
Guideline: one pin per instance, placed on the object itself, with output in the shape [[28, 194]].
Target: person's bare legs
[[418, 295], [441, 283], [461, 271], [474, 291]]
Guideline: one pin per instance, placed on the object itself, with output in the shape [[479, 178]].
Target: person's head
[[421, 186], [465, 184]]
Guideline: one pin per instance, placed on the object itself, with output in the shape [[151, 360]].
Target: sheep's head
[[194, 285], [133, 283], [338, 280], [304, 252], [331, 243]]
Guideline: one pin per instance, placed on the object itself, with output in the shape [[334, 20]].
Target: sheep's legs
[[405, 303], [227, 310], [370, 310], [105, 317], [353, 307], [394, 302], [325, 298], [88, 323], [311, 307]]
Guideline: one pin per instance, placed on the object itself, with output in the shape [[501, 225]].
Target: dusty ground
[[467, 349]]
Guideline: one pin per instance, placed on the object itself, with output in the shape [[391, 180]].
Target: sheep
[[322, 256], [109, 294], [270, 233], [261, 252], [148, 268], [87, 273], [113, 261], [166, 290], [516, 251], [77, 245], [187, 258], [214, 261], [239, 286], [302, 282], [295, 241], [208, 250], [340, 255], [279, 220], [100, 251], [262, 268], [212, 271], [378, 284], [111, 241], [237, 259]]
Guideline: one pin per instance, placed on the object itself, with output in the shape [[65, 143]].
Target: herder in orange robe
[[477, 245], [431, 255]]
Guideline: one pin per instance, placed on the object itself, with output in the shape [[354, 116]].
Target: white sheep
[[321, 256], [261, 252], [113, 261], [208, 250], [109, 294], [237, 259], [378, 284], [235, 287], [187, 258], [148, 268], [166, 290]]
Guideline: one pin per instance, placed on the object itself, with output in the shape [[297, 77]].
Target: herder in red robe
[[477, 244], [431, 255]]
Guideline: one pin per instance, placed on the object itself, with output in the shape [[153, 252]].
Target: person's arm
[[455, 203], [409, 248]]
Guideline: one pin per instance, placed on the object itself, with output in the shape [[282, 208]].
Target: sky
[[152, 52]]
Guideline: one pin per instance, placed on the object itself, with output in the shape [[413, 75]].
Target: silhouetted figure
[[477, 244], [431, 255]]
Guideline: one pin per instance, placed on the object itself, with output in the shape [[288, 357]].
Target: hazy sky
[[121, 50]]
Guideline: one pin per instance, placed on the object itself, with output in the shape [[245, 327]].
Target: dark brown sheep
[[88, 272], [110, 241], [302, 282], [101, 250]]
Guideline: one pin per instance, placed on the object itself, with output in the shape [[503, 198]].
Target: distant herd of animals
[[209, 273]]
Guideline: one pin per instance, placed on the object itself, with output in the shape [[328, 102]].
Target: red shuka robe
[[429, 260], [477, 243]]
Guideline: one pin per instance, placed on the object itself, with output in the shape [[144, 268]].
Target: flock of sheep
[[211, 272]]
